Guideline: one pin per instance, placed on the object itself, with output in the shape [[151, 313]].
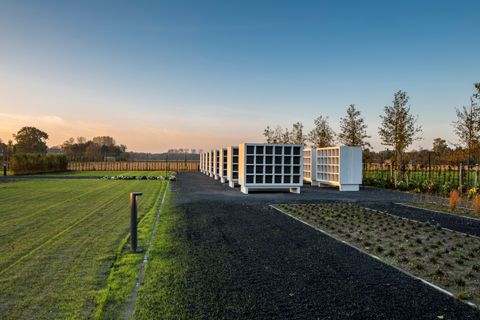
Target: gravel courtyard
[[250, 261]]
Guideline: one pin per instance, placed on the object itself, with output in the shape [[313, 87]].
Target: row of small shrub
[[426, 186], [38, 163], [171, 178]]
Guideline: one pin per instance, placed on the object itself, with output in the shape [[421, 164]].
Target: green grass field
[[59, 240], [107, 173]]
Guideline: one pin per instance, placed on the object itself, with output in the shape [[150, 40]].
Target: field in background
[[59, 240]]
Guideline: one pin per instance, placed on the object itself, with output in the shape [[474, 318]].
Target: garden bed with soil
[[459, 211], [445, 258]]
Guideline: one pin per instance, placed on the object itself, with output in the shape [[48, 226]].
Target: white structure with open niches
[[270, 166], [211, 154], [222, 171], [310, 166], [216, 164], [202, 162], [340, 166], [232, 166]]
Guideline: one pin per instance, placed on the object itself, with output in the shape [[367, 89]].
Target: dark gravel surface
[[251, 262], [449, 221]]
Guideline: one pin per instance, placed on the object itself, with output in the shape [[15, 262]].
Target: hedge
[[38, 163]]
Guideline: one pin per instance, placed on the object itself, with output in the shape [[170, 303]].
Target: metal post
[[476, 175], [133, 221]]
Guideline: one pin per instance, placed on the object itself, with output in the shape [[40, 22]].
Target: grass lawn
[[446, 258], [59, 240], [444, 208], [164, 287], [107, 173]]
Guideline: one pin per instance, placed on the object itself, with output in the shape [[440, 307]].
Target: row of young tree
[[399, 128]]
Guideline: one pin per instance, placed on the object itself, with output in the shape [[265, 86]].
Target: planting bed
[[444, 208], [449, 221], [446, 258]]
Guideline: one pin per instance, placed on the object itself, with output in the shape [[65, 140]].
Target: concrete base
[[294, 190], [323, 185], [216, 177], [245, 190], [315, 183], [349, 187], [223, 179], [231, 184], [210, 175]]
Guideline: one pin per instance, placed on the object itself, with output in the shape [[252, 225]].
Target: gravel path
[[252, 262]]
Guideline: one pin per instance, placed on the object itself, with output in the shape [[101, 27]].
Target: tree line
[[398, 129], [99, 148], [30, 141]]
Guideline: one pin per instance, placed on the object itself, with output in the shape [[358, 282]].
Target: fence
[[423, 178], [163, 165]]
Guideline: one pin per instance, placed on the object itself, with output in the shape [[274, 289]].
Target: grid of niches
[[217, 162], [307, 163], [328, 164], [224, 163], [210, 162], [235, 163], [272, 164]]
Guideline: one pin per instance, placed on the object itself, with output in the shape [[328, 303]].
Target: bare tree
[[268, 133], [467, 125], [277, 135], [322, 135], [286, 136], [297, 135], [353, 130], [399, 127]]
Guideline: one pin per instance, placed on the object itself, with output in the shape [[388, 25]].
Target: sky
[[202, 74]]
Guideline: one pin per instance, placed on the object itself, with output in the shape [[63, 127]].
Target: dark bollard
[[5, 169], [133, 221]]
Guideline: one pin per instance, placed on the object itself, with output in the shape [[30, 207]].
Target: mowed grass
[[107, 173], [59, 240], [165, 289]]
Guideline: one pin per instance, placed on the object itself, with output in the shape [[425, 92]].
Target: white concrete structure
[[216, 164], [270, 166], [340, 166], [232, 166], [202, 162], [222, 171], [310, 166], [210, 163]]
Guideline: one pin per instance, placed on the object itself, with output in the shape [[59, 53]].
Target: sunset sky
[[200, 74]]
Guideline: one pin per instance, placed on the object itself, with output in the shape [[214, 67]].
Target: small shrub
[[460, 282], [438, 273], [455, 199], [379, 249], [476, 267], [476, 204]]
